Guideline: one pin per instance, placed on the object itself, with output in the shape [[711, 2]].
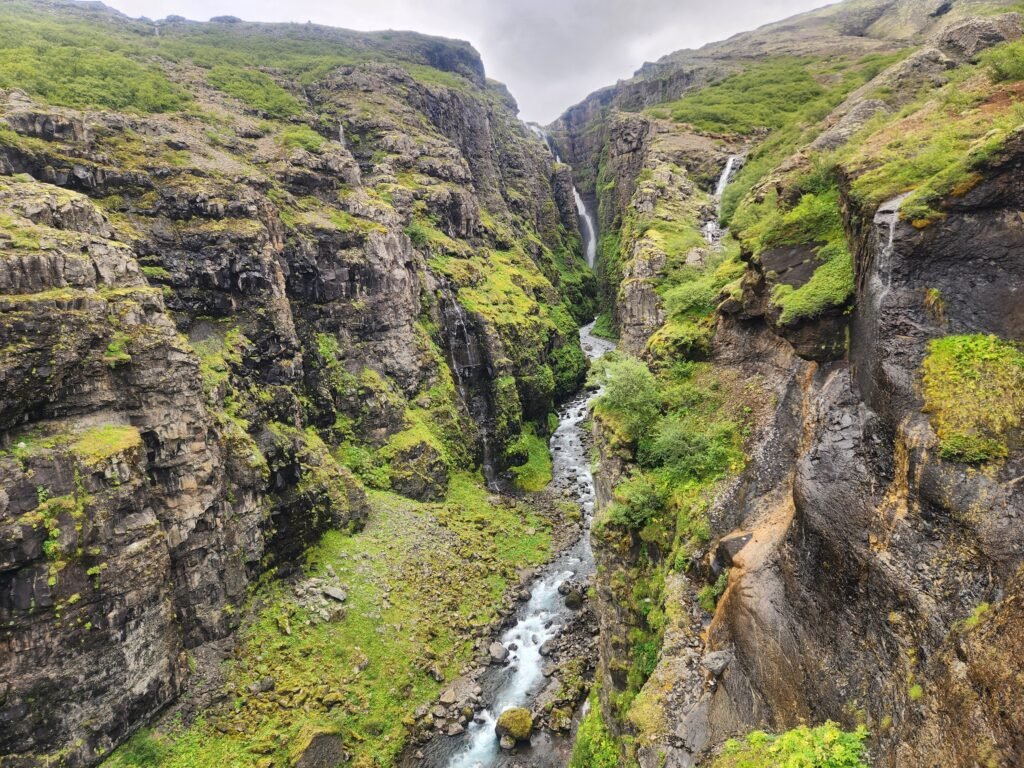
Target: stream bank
[[545, 653]]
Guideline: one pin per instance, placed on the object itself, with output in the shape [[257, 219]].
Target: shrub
[[631, 395], [1005, 62], [689, 448], [826, 746], [595, 746], [254, 88], [974, 391], [638, 501]]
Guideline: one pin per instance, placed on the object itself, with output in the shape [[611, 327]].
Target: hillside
[[855, 335], [306, 461]]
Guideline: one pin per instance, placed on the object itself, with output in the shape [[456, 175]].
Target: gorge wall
[[859, 332], [283, 306], [232, 300]]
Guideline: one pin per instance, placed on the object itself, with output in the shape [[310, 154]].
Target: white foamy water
[[544, 615]]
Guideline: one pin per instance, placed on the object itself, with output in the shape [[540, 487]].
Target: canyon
[[342, 412]]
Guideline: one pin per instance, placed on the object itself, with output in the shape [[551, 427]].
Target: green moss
[[155, 272], [826, 746], [973, 387], [100, 443], [977, 616], [21, 234], [432, 76], [709, 593], [535, 474], [831, 285], [255, 89], [301, 137], [116, 354], [604, 327], [915, 692], [516, 722]]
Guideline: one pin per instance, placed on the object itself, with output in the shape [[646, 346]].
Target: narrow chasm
[[348, 419]]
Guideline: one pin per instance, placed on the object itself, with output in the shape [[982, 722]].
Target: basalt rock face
[[872, 577], [211, 325]]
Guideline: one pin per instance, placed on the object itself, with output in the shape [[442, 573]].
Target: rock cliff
[[854, 565], [272, 266]]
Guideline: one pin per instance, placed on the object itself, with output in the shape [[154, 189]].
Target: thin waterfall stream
[[588, 228], [713, 231]]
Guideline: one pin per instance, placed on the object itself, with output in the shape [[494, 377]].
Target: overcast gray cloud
[[551, 53]]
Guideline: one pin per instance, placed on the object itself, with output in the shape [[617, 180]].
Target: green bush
[[255, 89], [1005, 63], [638, 501], [690, 448], [595, 746], [631, 396], [826, 746]]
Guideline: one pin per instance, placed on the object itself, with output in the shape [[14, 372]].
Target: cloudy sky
[[551, 53]]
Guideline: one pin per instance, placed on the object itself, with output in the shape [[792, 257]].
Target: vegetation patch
[[99, 443], [301, 137], [973, 387], [66, 63], [826, 746], [405, 625], [255, 89], [595, 746], [535, 474]]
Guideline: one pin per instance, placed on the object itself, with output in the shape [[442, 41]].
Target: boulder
[[498, 653], [515, 723]]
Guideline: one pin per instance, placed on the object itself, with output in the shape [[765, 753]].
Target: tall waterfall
[[587, 228], [589, 234]]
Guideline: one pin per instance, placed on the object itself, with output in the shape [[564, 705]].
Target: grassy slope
[[363, 675]]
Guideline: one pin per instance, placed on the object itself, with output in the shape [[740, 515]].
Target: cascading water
[[713, 231], [465, 359], [589, 230], [543, 616], [589, 234], [886, 218]]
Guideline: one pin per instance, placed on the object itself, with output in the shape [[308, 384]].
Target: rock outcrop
[[865, 562], [218, 325]]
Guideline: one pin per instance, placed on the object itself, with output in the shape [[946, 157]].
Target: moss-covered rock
[[516, 723]]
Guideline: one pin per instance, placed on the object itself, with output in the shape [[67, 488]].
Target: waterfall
[[341, 135], [886, 218], [589, 235], [713, 231], [587, 228], [465, 359]]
